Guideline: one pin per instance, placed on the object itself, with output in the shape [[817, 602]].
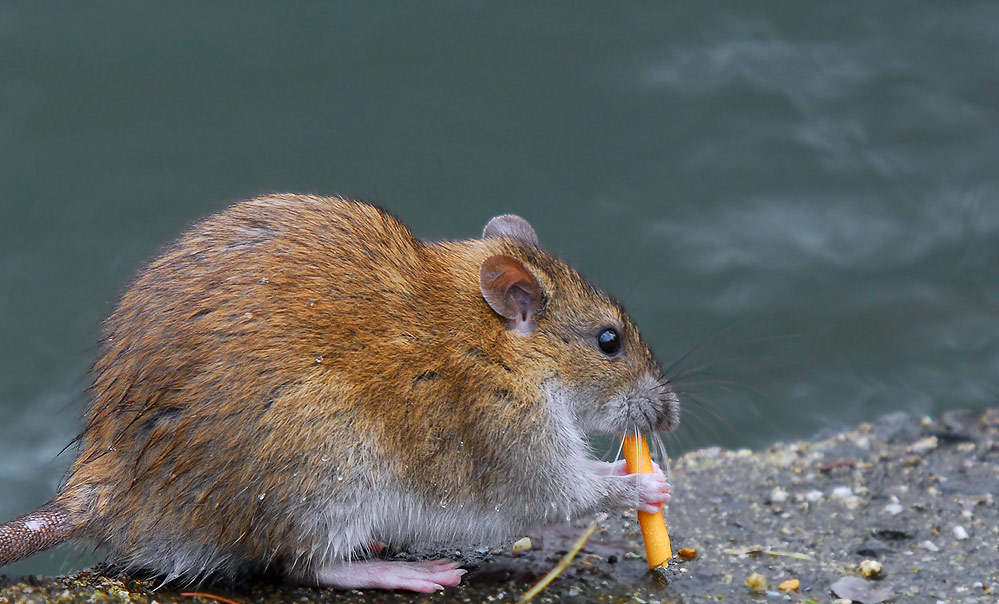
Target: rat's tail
[[36, 531]]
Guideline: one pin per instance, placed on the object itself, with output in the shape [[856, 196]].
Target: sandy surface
[[918, 497]]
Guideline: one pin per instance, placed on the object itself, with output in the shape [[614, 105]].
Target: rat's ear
[[512, 226], [511, 290]]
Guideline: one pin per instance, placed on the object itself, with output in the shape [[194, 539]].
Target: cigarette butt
[[657, 547]]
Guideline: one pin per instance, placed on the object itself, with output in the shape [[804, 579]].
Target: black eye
[[609, 341]]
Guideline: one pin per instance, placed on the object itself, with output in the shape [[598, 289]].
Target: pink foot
[[426, 576]]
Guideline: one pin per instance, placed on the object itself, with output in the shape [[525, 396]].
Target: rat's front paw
[[653, 491], [647, 492]]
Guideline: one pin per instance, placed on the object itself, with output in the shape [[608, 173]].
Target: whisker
[[733, 386], [726, 361], [701, 344], [693, 414]]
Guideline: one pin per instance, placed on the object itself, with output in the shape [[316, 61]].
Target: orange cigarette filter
[[657, 547]]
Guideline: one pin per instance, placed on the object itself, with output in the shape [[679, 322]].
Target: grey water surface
[[803, 196]]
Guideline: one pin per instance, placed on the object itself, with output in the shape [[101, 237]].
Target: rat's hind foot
[[425, 576]]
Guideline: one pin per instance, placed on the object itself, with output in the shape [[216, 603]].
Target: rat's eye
[[609, 341]]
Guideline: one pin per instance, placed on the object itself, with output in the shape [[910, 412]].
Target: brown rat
[[298, 377]]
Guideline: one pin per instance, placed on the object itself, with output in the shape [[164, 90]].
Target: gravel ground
[[916, 500]]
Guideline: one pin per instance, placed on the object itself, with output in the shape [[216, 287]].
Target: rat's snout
[[651, 404]]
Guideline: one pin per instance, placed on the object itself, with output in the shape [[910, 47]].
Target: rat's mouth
[[650, 405]]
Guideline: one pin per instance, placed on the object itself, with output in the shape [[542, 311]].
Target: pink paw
[[426, 576], [653, 491]]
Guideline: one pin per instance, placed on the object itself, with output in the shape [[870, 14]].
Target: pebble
[[521, 545], [757, 583], [778, 495], [857, 589], [813, 496], [925, 445], [870, 568], [929, 546], [840, 492], [893, 509], [960, 533], [852, 502]]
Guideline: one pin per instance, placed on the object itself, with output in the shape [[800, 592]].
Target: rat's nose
[[653, 405]]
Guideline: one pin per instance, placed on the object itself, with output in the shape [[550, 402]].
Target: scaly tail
[[33, 532]]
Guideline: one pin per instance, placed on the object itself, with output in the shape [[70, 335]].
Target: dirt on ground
[[899, 510]]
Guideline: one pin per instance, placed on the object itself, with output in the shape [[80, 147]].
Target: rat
[[299, 380]]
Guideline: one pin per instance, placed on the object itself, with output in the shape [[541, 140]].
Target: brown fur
[[293, 351]]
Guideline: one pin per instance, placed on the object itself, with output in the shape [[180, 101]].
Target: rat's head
[[593, 359]]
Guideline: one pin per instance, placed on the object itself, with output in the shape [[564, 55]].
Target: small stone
[[870, 568], [521, 545], [929, 546], [960, 533], [778, 495], [841, 493], [852, 502], [893, 509], [859, 590], [757, 583], [924, 446], [687, 553], [789, 585], [813, 496]]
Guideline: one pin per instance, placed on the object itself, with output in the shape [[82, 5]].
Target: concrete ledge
[[919, 497]]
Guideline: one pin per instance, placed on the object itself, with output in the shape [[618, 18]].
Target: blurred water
[[808, 191]]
